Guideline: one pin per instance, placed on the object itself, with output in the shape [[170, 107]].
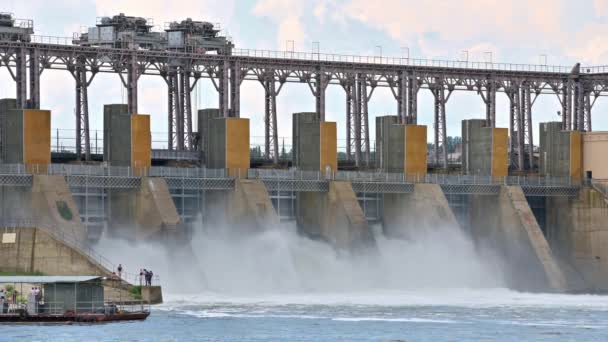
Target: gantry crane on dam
[[190, 50]]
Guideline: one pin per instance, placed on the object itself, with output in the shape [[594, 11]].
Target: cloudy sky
[[517, 31]]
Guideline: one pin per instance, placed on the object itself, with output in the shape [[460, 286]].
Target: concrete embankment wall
[[35, 250], [577, 229], [335, 217], [506, 224], [424, 209]]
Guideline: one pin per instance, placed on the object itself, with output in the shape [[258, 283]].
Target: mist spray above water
[[279, 260]]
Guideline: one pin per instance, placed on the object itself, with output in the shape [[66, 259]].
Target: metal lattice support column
[[21, 78], [223, 89], [186, 108], [577, 113], [321, 82], [526, 108], [412, 98], [271, 138], [83, 141], [587, 105], [400, 92], [490, 100], [34, 64], [174, 109], [132, 78], [516, 126], [236, 78], [566, 102], [349, 85], [440, 122], [362, 145]]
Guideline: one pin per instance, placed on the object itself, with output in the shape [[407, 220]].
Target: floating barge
[[63, 299]]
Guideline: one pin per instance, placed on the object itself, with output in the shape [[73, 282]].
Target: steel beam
[[412, 98], [186, 109], [235, 89], [132, 78], [490, 100], [34, 68], [21, 77], [83, 139], [270, 119], [224, 88]]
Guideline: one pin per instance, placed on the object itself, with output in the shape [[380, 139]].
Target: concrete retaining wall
[[34, 250]]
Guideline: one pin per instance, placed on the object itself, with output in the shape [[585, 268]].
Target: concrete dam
[[545, 230]]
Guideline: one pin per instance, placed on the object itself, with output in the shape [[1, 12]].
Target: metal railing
[[110, 171], [601, 185], [57, 308], [402, 61], [274, 174], [385, 177], [366, 59]]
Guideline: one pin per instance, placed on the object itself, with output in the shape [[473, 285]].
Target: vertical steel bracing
[[132, 78], [526, 109], [318, 90], [400, 92], [270, 119], [412, 97], [186, 101], [82, 113], [566, 102], [175, 108], [223, 88], [361, 120], [349, 86], [236, 78], [439, 93], [34, 65], [587, 116], [490, 100], [21, 77]]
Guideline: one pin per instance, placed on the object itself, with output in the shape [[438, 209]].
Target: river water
[[277, 286], [422, 315]]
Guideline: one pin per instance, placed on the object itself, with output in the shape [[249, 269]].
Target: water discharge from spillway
[[279, 261]]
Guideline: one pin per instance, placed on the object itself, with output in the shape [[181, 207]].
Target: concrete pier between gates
[[27, 138], [560, 151], [484, 149], [229, 146], [506, 223], [576, 228], [250, 205], [148, 213], [156, 215], [334, 216], [400, 148], [405, 215]]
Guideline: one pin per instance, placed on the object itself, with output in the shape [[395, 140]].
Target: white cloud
[[287, 14]]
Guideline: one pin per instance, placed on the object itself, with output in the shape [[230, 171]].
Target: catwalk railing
[[366, 59], [274, 174]]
